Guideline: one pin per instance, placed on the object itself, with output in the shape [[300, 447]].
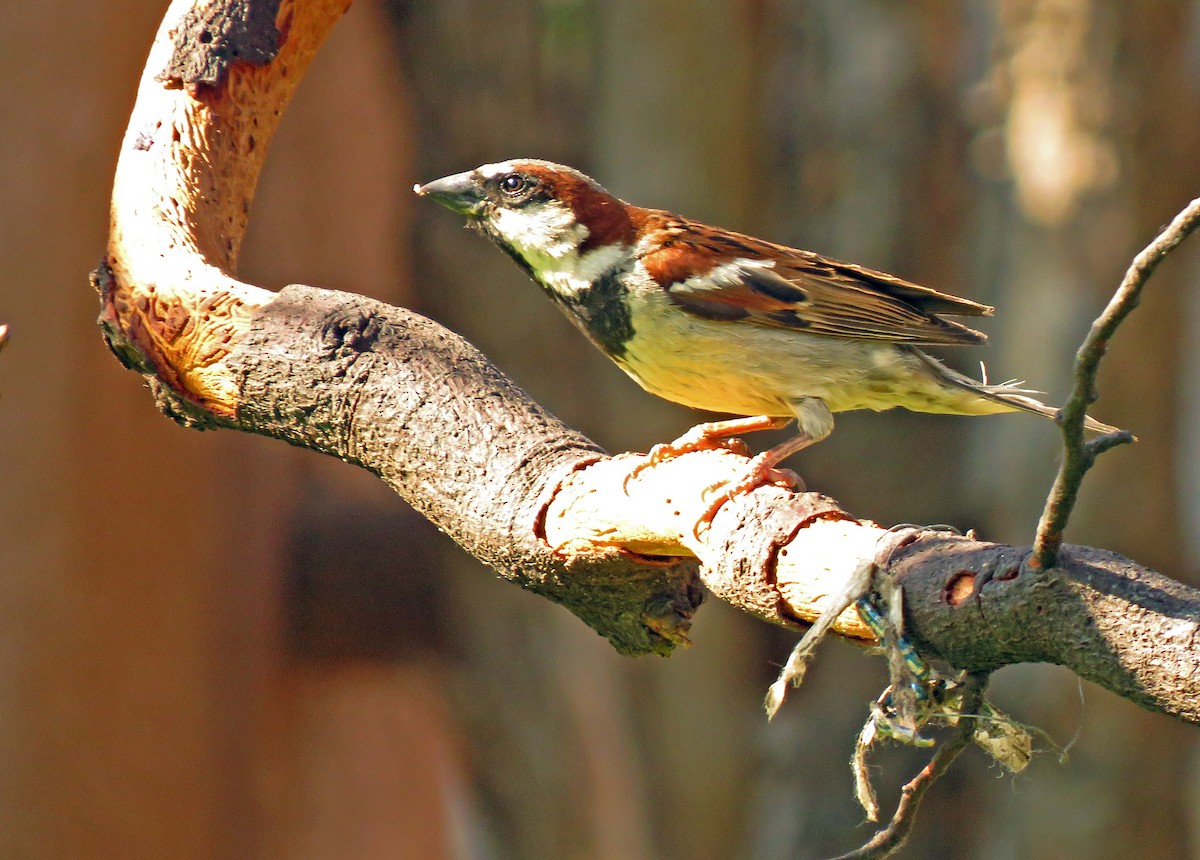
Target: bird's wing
[[742, 279]]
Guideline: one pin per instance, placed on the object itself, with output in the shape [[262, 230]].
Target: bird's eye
[[514, 183]]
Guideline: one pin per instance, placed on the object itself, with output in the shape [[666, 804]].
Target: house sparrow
[[723, 321]]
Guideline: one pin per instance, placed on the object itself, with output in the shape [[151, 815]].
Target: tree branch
[[397, 394], [1079, 454]]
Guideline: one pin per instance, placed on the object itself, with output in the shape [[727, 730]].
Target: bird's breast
[[748, 369]]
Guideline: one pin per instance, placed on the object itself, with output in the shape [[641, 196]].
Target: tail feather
[[1019, 398], [1008, 394]]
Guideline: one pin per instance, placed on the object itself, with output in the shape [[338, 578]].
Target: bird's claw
[[759, 473]]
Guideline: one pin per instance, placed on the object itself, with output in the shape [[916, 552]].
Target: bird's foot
[[761, 471], [708, 436]]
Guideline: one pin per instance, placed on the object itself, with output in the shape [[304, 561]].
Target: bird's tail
[[1005, 394], [1009, 394]]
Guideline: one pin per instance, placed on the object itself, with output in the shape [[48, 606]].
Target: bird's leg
[[711, 434], [814, 423], [715, 434], [761, 470]]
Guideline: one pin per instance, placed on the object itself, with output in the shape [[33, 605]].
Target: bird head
[[556, 222]]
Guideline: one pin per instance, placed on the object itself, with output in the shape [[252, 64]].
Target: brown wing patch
[[848, 301], [800, 290], [681, 249], [675, 261]]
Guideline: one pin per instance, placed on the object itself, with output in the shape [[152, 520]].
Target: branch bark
[[392, 392]]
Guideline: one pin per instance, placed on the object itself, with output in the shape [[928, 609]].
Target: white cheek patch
[[596, 262], [539, 231], [572, 275]]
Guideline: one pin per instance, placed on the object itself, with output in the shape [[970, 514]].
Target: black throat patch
[[602, 311]]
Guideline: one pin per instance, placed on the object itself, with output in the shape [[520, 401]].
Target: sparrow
[[725, 322]]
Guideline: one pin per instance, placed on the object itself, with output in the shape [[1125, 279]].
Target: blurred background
[[215, 646]]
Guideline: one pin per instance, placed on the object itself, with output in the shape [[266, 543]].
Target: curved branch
[[330, 372], [390, 391], [214, 87]]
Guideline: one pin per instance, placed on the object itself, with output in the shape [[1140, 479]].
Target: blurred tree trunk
[[121, 715], [118, 605], [1102, 123]]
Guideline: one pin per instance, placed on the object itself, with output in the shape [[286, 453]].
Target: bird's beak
[[459, 193]]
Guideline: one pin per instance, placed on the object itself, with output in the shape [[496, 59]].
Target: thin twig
[[891, 838], [1078, 454], [793, 671]]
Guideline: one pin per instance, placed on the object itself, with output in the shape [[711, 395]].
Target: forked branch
[[891, 838], [1078, 453]]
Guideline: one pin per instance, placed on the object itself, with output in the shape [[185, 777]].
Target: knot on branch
[[349, 332], [639, 608]]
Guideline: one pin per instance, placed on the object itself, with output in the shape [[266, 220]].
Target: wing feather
[[727, 276]]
